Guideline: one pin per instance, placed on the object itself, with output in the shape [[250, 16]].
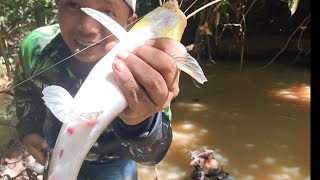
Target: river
[[256, 121]]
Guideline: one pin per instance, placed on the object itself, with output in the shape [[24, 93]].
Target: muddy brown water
[[256, 121]]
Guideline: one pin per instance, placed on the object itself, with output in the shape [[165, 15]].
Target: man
[[142, 132]]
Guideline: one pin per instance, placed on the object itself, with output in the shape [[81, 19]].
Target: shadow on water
[[256, 121]]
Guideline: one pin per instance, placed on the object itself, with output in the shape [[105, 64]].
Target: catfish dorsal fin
[[59, 101]]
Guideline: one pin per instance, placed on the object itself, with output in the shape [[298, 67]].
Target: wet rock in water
[[195, 99], [206, 167]]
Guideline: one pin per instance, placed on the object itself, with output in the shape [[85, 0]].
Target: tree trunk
[[5, 57], [38, 15]]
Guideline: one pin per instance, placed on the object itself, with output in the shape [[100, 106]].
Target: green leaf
[[293, 5], [2, 18]]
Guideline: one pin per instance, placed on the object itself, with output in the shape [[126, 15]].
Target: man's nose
[[88, 25]]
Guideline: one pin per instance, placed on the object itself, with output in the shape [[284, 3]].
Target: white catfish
[[99, 99]]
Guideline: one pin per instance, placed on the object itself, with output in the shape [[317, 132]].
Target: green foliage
[[18, 17], [293, 5], [23, 11], [145, 6]]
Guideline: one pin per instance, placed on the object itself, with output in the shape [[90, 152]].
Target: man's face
[[80, 30]]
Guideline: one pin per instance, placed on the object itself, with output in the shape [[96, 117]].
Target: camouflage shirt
[[39, 65]]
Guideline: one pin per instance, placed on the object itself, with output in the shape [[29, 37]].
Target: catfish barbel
[[85, 116]]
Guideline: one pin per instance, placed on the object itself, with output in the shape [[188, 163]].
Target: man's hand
[[148, 78], [36, 147]]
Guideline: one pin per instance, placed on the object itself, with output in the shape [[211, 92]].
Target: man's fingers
[[166, 67], [169, 46], [44, 146], [149, 79], [38, 155], [164, 64], [133, 92], [110, 45]]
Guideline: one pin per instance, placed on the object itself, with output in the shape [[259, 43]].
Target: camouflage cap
[[132, 4]]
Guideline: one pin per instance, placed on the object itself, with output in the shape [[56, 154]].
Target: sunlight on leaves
[[293, 5], [205, 29]]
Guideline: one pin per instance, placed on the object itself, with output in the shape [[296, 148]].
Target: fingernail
[[122, 54], [118, 65]]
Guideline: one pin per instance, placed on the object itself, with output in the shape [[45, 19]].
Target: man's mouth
[[84, 44]]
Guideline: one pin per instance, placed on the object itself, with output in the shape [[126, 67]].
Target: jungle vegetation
[[205, 31]]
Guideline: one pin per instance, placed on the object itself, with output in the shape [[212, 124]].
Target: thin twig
[[155, 175], [203, 7], [285, 46], [299, 46], [7, 125], [245, 14], [242, 40], [11, 147], [190, 6], [180, 3]]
